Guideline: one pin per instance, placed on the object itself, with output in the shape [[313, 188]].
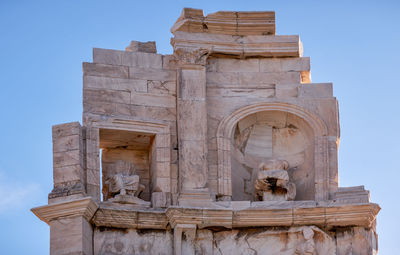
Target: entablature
[[224, 214]]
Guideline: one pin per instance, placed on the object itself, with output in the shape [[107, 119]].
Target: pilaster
[[192, 124]]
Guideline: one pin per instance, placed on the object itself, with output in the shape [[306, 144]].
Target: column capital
[[191, 57]]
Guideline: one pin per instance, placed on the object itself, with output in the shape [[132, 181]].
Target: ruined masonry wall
[[257, 144], [132, 85]]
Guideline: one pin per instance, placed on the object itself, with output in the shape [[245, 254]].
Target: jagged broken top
[[226, 22]]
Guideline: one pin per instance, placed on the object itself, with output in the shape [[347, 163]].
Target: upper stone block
[[225, 22], [147, 47]]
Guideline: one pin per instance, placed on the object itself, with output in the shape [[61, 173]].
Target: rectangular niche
[[134, 149], [127, 153]]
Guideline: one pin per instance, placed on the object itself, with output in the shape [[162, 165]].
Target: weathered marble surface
[[246, 241], [124, 242], [178, 140]]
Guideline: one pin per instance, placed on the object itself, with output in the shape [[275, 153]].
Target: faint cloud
[[15, 194]]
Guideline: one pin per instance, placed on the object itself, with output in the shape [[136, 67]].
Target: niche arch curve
[[226, 128]]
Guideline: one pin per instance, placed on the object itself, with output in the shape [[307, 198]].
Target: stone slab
[[102, 70]]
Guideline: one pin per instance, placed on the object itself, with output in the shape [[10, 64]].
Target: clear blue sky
[[354, 44]]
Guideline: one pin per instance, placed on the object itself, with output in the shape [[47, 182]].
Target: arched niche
[[309, 155]]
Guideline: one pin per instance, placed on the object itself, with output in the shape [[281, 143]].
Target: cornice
[[361, 215], [203, 218], [239, 46], [85, 207], [130, 218], [292, 213]]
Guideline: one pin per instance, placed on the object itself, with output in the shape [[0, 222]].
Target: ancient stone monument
[[223, 147]]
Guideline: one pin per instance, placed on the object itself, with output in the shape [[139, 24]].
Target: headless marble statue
[[124, 188], [272, 183]]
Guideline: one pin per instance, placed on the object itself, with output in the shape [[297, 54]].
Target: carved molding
[[259, 214], [331, 216], [239, 46], [201, 217], [125, 217], [85, 207], [226, 128]]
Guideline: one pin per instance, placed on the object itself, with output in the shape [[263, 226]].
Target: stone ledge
[[201, 217], [322, 216], [258, 214], [125, 217], [85, 207], [249, 46], [224, 215]]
